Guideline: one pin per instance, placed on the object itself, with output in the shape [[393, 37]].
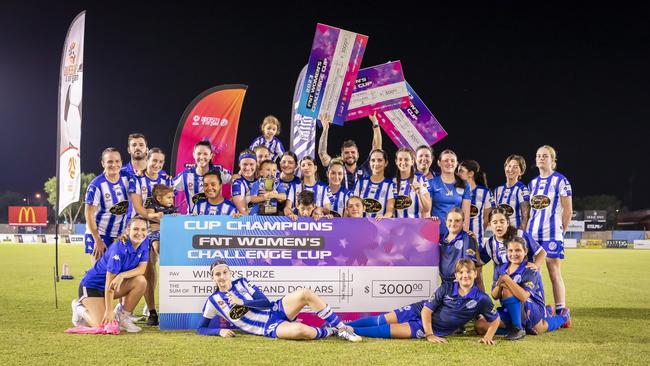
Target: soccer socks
[[555, 322], [323, 332], [379, 331], [330, 317], [370, 321], [514, 310]]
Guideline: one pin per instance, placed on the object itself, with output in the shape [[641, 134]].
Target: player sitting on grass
[[118, 273], [521, 293], [247, 308], [453, 305]]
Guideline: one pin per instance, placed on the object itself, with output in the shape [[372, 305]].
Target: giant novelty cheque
[[359, 266]]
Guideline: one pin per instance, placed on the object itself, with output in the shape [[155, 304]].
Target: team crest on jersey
[[507, 208], [473, 211], [517, 278], [459, 245], [460, 191], [372, 205], [120, 208], [197, 197], [471, 304], [419, 333], [221, 303], [107, 195], [552, 245], [190, 185], [144, 189], [403, 202], [540, 201], [238, 311]]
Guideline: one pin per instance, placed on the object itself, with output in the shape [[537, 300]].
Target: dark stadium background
[[502, 78]]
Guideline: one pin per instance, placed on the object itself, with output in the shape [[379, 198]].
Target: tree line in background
[[71, 215]]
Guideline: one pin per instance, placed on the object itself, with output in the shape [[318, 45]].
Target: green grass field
[[611, 324]]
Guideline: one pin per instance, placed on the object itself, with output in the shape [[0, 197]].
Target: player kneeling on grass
[[453, 305], [118, 273], [247, 308], [521, 293]]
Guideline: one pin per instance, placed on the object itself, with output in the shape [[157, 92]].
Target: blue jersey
[[258, 189], [143, 185], [241, 187], [249, 317], [203, 207], [338, 201], [545, 223], [351, 177], [191, 183], [322, 193], [407, 201], [444, 197], [462, 246], [128, 168], [275, 146], [288, 184], [375, 196], [510, 199], [528, 279], [496, 251], [451, 310], [481, 200], [112, 201], [118, 258]]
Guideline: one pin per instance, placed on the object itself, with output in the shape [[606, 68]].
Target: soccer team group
[[124, 206]]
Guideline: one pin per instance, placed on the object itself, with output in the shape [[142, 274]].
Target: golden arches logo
[[24, 215], [72, 167]]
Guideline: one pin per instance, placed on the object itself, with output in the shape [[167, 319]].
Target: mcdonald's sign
[[28, 215]]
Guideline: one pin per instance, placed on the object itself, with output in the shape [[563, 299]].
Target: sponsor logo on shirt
[[403, 202], [371, 205], [540, 201], [473, 211], [116, 257], [509, 209], [471, 304]]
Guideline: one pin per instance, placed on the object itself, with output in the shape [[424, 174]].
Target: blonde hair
[[551, 152], [520, 160], [270, 119]]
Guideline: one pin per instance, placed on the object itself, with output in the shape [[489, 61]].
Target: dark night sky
[[502, 79]]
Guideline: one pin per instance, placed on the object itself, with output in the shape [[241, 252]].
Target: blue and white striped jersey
[[375, 195], [322, 193], [241, 187], [407, 201], [143, 185], [191, 183], [545, 223], [481, 199], [338, 201], [112, 200], [203, 207], [249, 320], [275, 146], [510, 199]]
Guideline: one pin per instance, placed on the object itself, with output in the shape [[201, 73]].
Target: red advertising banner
[[212, 116], [28, 215]]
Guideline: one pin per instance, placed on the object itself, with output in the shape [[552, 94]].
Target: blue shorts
[[411, 314], [553, 248], [533, 314], [89, 242], [276, 317], [154, 236]]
